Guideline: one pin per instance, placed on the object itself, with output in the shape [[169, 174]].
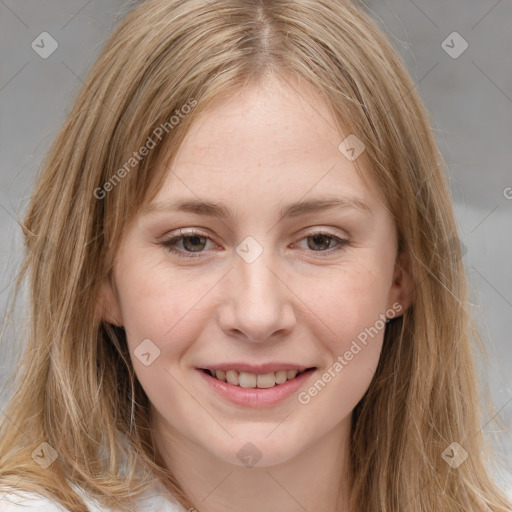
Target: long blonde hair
[[75, 387]]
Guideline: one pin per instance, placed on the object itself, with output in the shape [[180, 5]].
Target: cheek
[[160, 323], [161, 308], [353, 306], [349, 302]]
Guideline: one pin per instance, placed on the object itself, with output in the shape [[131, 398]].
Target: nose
[[260, 304]]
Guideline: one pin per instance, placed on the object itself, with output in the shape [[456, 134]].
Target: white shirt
[[157, 500]]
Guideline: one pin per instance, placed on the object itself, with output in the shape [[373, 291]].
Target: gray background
[[469, 98]]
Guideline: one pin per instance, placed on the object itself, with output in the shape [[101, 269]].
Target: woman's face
[[286, 262]]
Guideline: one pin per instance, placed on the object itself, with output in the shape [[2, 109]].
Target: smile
[[264, 386]]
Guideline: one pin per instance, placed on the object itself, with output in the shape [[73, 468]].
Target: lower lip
[[256, 397]]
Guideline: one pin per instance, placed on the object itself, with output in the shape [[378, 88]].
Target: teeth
[[266, 380], [280, 376], [247, 380], [290, 374], [232, 377], [250, 380]]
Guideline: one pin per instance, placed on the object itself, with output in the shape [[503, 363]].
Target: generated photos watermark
[[151, 143], [304, 397]]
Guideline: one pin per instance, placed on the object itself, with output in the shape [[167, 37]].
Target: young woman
[[246, 291]]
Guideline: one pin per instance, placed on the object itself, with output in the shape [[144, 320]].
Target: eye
[[322, 242], [191, 244]]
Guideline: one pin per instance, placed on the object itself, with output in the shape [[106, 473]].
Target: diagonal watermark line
[[76, 14], [422, 77], [13, 77], [485, 15], [18, 221], [216, 487], [15, 487], [490, 284], [19, 19], [481, 222], [299, 93], [279, 424], [185, 185], [191, 308], [285, 490], [199, 403], [301, 300], [12, 421], [431, 275], [413, 87], [424, 13], [5, 288], [23, 230], [479, 432], [501, 409], [20, 224], [304, 195], [491, 80], [94, 94]]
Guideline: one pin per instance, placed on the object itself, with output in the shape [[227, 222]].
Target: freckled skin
[[255, 153]]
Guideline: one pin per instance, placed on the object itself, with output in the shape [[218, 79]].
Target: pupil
[[317, 239], [195, 240]]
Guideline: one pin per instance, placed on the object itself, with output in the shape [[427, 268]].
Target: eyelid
[[168, 239], [323, 230]]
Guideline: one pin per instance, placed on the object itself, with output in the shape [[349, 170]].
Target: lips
[[255, 395]]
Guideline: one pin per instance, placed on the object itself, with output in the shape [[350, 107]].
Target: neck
[[312, 480]]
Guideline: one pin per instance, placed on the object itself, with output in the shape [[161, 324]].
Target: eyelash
[[169, 243]]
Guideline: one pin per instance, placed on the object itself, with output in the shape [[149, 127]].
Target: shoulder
[[159, 500], [17, 500]]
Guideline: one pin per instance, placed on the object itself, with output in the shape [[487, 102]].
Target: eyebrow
[[215, 209]]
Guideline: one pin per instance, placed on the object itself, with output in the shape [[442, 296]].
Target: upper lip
[[257, 369]]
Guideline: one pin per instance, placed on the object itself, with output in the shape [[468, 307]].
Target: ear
[[107, 303], [401, 287]]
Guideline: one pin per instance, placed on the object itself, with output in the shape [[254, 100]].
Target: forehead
[[267, 145]]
